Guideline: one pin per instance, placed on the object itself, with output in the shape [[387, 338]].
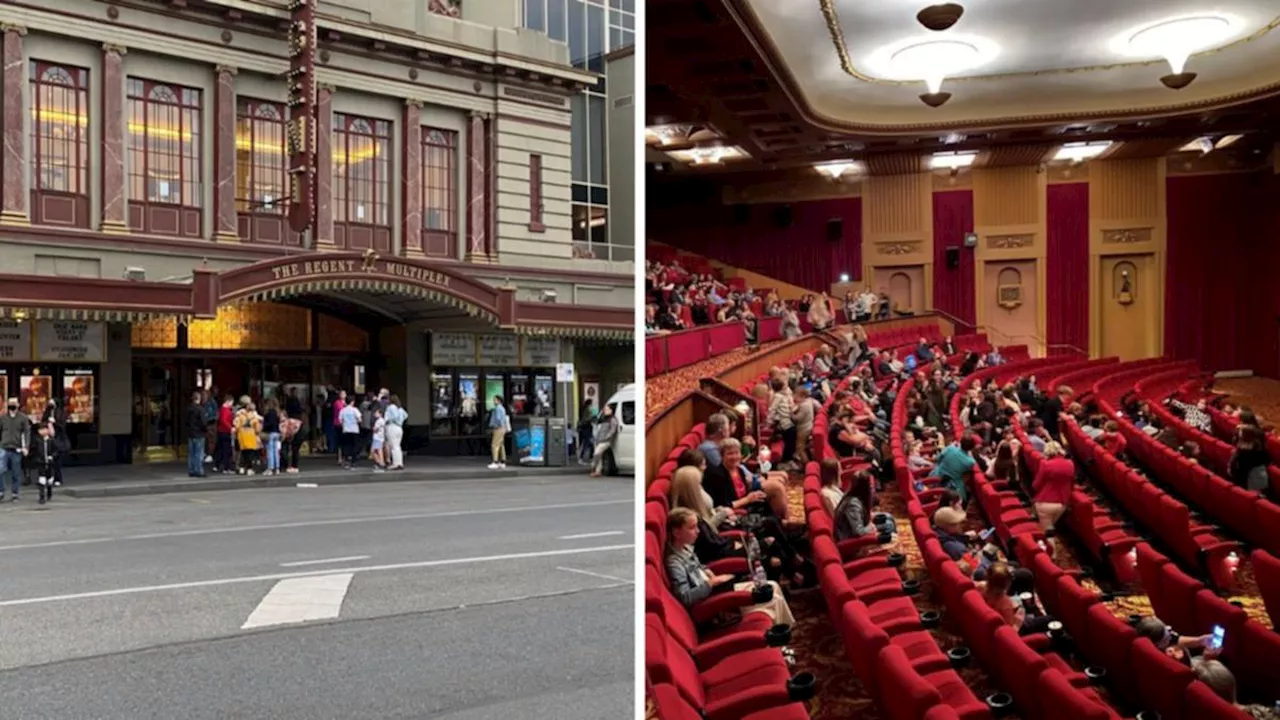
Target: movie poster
[[469, 396], [544, 392], [4, 387], [77, 396], [441, 396], [520, 395], [494, 386], [34, 395]]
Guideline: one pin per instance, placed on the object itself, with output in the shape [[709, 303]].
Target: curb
[[240, 482]]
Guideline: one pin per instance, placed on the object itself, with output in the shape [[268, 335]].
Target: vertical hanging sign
[[302, 114]]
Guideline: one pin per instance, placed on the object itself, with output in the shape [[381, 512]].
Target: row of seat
[[1225, 426], [1247, 515], [1040, 681], [1071, 374], [887, 640], [1266, 571]]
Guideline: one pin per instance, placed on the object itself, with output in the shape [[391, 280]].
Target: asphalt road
[[474, 599]]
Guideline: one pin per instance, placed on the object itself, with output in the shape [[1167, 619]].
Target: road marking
[[315, 523], [301, 599], [301, 563], [601, 576], [311, 573], [591, 535]]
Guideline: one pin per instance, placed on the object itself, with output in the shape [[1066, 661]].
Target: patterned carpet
[[664, 389], [1261, 394]]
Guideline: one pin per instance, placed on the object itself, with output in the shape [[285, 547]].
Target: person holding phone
[[1186, 649]]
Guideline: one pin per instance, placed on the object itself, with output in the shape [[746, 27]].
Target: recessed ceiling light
[[1081, 151], [708, 155], [952, 160]]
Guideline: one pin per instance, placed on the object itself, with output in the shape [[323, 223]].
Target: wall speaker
[[782, 216], [835, 230], [953, 258], [741, 214]]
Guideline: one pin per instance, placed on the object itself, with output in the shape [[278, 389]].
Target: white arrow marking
[[299, 600]]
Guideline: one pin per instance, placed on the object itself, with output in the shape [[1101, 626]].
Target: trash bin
[[557, 442], [529, 440]]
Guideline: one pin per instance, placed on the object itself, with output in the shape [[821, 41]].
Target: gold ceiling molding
[[1009, 242], [310, 287], [1126, 236], [898, 248], [846, 61], [14, 312]]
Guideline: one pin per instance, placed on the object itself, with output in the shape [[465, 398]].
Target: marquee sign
[[301, 134]]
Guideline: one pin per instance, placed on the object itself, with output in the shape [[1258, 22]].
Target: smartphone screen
[[985, 534], [1219, 635]]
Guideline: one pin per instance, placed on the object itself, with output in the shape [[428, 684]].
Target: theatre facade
[[145, 250]]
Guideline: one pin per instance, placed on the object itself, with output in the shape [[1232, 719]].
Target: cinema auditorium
[[148, 247], [963, 360]]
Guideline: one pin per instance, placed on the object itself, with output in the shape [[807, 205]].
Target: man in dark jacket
[[15, 437], [197, 429]]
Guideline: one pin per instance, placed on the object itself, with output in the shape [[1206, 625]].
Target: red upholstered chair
[[1108, 641], [1204, 703], [671, 705], [1266, 570], [724, 690], [1061, 701], [908, 695], [1161, 681], [749, 632]]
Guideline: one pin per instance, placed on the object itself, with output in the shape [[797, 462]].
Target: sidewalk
[[156, 478]]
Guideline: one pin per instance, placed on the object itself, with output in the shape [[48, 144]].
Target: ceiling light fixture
[[1176, 40], [707, 155], [835, 171], [952, 160], [1227, 141], [932, 61], [1080, 151], [941, 16]]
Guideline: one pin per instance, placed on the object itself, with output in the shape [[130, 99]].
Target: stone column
[[16, 199], [477, 247], [491, 186], [323, 231], [411, 175], [225, 220], [115, 205]]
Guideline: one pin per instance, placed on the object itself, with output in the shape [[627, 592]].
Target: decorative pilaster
[[114, 199], [411, 174], [491, 186], [324, 167], [225, 220], [15, 195], [477, 190]]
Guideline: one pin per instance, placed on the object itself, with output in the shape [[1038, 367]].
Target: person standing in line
[[499, 424], [292, 432], [396, 417], [15, 434], [586, 431], [377, 438], [197, 427], [46, 451], [339, 405], [271, 429], [367, 406], [209, 401], [349, 447], [56, 419], [248, 425], [222, 452], [606, 430]]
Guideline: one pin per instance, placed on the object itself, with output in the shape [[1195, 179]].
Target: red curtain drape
[[1067, 265], [1217, 247], [1262, 253], [754, 240], [953, 288]]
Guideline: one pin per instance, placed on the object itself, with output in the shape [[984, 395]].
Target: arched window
[[262, 172], [900, 291], [165, 158], [361, 182], [439, 192], [59, 145]]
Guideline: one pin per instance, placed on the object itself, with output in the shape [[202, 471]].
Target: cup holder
[[1237, 603], [959, 656], [1135, 619], [802, 687], [1001, 703], [911, 587], [896, 559], [1096, 674], [930, 619], [1147, 715], [884, 538], [777, 636], [762, 594]]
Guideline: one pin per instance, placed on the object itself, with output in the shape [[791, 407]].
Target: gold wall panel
[[1126, 189], [1130, 330], [1007, 196], [894, 204], [253, 326], [158, 334], [338, 335]]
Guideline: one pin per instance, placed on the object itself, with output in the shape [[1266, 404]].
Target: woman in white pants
[[395, 417]]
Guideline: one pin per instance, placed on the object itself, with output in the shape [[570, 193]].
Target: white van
[[623, 452]]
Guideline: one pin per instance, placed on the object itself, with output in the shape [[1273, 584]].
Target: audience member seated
[[1223, 683], [1113, 441], [1249, 461], [954, 466], [1188, 650], [691, 582], [730, 483], [996, 591]]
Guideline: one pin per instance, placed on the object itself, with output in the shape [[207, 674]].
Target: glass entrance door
[[157, 409]]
